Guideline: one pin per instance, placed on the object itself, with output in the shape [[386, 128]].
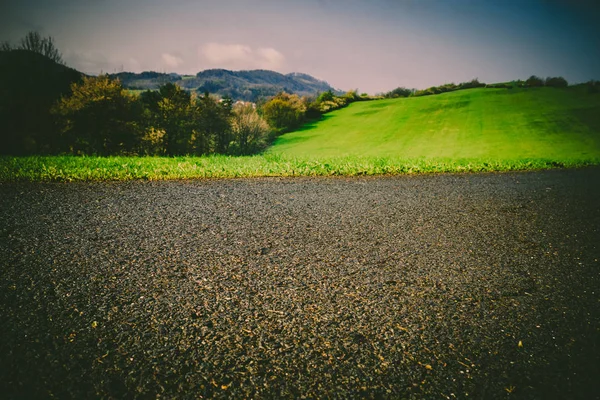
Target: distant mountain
[[239, 85]]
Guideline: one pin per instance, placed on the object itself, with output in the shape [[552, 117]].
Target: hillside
[[476, 123], [30, 84], [239, 85]]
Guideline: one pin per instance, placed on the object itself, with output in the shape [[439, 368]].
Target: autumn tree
[[249, 130], [100, 117], [284, 112]]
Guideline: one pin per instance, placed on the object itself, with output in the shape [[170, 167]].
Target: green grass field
[[473, 130], [497, 124]]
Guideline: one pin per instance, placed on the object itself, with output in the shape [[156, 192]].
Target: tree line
[[533, 81], [101, 117]]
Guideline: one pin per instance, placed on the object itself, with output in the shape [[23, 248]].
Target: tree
[[473, 83], [100, 117], [558, 82], [34, 42], [534, 81], [325, 96], [593, 86], [399, 92], [213, 129], [249, 130], [177, 117]]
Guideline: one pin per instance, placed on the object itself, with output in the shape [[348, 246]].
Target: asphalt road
[[447, 286]]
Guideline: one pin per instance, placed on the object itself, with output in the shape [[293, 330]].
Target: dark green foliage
[[178, 123], [398, 92], [500, 85], [176, 118], [211, 86], [325, 96], [506, 85], [472, 84], [593, 86], [558, 82], [534, 81], [30, 83], [448, 87], [213, 124]]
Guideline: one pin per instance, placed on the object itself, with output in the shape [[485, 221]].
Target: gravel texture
[[478, 285]]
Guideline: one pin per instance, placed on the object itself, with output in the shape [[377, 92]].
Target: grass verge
[[70, 168]]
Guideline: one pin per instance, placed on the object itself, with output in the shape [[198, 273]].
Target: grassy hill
[[495, 124], [471, 130]]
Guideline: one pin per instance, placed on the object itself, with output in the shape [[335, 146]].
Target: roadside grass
[[71, 168], [497, 124]]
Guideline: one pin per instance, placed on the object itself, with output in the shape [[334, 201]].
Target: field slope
[[495, 124]]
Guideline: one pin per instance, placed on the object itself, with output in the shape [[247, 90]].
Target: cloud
[[89, 62], [171, 61], [225, 53], [270, 56], [241, 56]]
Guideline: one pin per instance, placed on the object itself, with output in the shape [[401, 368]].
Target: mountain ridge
[[245, 85]]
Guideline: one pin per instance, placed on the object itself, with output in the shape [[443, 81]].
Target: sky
[[370, 45]]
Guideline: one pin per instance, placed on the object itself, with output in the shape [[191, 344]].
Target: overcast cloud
[[369, 45]]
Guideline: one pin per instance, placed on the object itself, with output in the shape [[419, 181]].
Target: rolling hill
[[239, 85], [498, 124]]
